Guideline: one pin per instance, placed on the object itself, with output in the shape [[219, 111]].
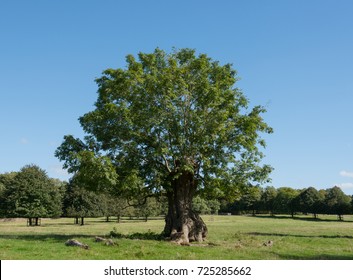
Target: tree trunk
[[82, 221], [182, 224]]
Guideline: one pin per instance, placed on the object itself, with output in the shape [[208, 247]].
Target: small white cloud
[[24, 141], [345, 173]]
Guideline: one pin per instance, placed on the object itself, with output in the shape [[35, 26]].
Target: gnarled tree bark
[[183, 225]]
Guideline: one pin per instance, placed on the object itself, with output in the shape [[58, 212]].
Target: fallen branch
[[108, 242], [74, 242]]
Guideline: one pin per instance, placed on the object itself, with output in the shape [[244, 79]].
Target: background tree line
[[286, 200], [30, 193]]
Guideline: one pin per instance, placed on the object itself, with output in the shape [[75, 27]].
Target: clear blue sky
[[294, 57]]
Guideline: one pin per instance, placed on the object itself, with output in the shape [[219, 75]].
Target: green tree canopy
[[268, 197], [32, 194], [172, 123], [337, 202], [310, 200], [285, 200], [250, 200], [78, 202], [6, 181]]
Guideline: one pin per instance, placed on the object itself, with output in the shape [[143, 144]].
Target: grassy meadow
[[230, 237]]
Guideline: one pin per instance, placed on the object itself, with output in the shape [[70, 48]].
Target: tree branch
[[166, 164]]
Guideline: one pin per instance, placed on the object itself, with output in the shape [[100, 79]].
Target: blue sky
[[294, 57]]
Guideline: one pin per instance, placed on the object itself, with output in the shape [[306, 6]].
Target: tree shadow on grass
[[308, 218], [44, 237], [64, 237], [284, 256], [138, 235], [298, 235], [315, 257]]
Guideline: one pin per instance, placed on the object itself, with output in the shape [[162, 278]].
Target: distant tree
[[121, 207], [310, 200], [57, 195], [6, 181], [248, 201], [268, 199], [175, 124], [2, 199], [112, 206], [284, 202], [148, 209], [251, 199], [130, 212], [199, 205], [337, 202], [80, 203], [205, 206], [32, 194], [214, 205]]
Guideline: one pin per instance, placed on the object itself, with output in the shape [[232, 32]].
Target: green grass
[[230, 237]]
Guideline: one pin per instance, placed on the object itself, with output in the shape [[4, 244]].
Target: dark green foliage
[[214, 205], [268, 197], [150, 208], [6, 180], [113, 206], [200, 206], [337, 202], [284, 201], [30, 193], [250, 200], [311, 201], [205, 206], [165, 114], [80, 203]]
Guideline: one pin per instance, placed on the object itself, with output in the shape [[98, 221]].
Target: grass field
[[230, 237]]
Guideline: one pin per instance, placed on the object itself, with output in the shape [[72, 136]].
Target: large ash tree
[[173, 124]]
